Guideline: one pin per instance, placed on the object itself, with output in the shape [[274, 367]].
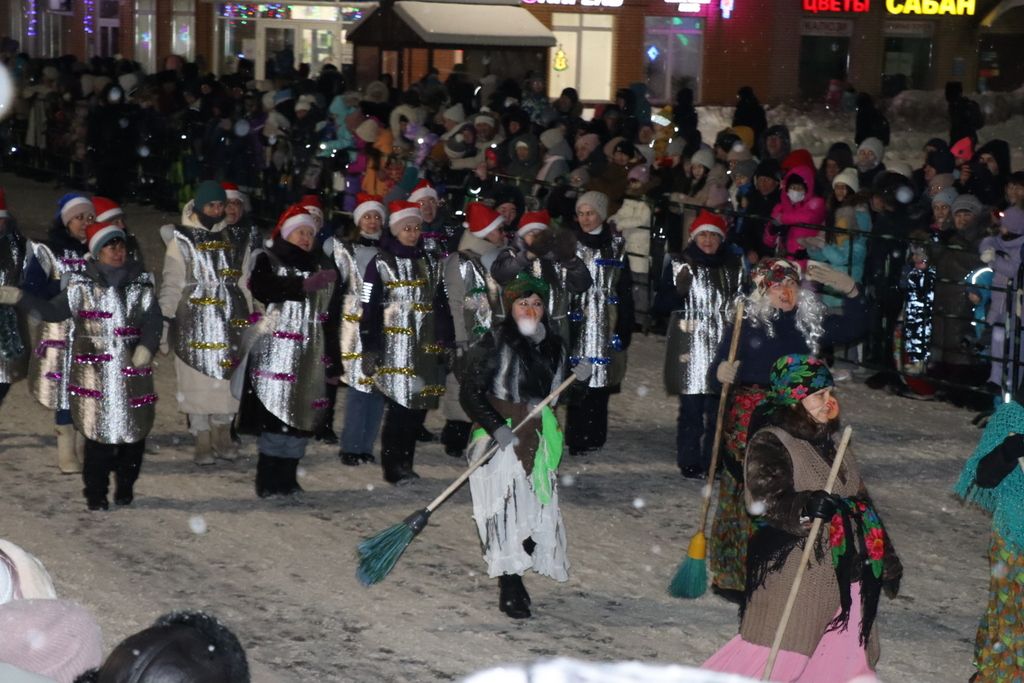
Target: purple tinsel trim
[[255, 318], [293, 336], [74, 262], [95, 315], [49, 344], [279, 376], [326, 360], [321, 317], [144, 400], [320, 403], [127, 332], [83, 392], [136, 372], [91, 358], [54, 376]]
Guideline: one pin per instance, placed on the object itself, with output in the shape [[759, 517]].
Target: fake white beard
[[527, 326], [371, 237]]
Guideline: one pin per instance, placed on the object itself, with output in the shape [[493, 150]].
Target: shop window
[[673, 47], [183, 19], [576, 36], [822, 59], [145, 34], [908, 62], [239, 38]]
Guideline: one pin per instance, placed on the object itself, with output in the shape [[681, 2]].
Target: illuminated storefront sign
[[855, 6], [699, 6], [582, 3], [955, 7]]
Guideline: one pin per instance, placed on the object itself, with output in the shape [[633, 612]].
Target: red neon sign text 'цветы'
[[857, 6]]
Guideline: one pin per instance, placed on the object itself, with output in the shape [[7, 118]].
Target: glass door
[[282, 46]]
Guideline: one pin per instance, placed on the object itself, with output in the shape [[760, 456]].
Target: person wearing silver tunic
[[440, 234], [403, 306], [600, 322], [292, 351], [205, 311], [62, 253], [13, 335], [511, 368], [708, 277], [474, 298], [364, 404], [550, 255], [116, 325]]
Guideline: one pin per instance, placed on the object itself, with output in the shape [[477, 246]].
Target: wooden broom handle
[[479, 462], [719, 423], [812, 538]]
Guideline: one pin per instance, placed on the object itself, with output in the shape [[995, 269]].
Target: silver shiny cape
[[595, 314], [286, 362], [112, 402], [212, 312], [49, 362], [411, 371], [14, 252], [351, 260], [695, 331]]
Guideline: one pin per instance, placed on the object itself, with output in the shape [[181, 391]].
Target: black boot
[[265, 479], [127, 472], [289, 484], [513, 599], [351, 459]]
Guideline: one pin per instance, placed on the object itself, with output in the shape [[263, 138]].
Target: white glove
[[141, 357], [583, 370], [830, 277], [988, 255], [727, 371], [9, 296], [505, 437], [165, 345]]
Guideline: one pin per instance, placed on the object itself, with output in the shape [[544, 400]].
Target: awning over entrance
[[449, 22], [453, 24]]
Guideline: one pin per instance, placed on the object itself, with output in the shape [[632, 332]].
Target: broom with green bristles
[[691, 578], [379, 554]]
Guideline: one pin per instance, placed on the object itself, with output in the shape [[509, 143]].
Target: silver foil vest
[[14, 340], [287, 361], [212, 312], [695, 331], [409, 350], [351, 259], [508, 378], [595, 312], [112, 401], [482, 305], [49, 362]]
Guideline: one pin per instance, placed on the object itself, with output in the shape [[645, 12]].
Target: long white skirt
[[507, 512]]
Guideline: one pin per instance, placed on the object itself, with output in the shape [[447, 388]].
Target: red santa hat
[[482, 220], [403, 212], [423, 190], [708, 222], [3, 204], [232, 191], [312, 204], [368, 203], [533, 220], [99, 234], [106, 209], [293, 218]]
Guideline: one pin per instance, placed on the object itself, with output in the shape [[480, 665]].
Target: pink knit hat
[[54, 638]]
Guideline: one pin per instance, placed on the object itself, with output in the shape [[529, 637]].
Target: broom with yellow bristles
[[691, 579]]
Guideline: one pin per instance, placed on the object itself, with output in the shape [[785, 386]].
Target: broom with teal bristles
[[691, 578], [379, 554]]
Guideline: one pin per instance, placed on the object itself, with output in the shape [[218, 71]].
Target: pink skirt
[[839, 656]]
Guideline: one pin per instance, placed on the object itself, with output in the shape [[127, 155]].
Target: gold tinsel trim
[[212, 246], [432, 390], [398, 330], [228, 363], [422, 308], [351, 356], [433, 348], [240, 322], [206, 301], [207, 346], [406, 283], [366, 381], [352, 317], [229, 272], [408, 372]]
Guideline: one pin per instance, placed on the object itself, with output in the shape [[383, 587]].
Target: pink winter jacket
[[811, 209]]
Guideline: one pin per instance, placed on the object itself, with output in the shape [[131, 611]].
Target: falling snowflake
[[639, 503], [300, 472], [1000, 570], [369, 487], [757, 508], [568, 480], [642, 390], [656, 549], [197, 524], [705, 491]]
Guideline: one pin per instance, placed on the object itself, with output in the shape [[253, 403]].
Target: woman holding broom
[[787, 464], [515, 500], [779, 318]]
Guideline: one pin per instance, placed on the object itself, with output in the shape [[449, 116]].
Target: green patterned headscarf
[[795, 377], [523, 286]]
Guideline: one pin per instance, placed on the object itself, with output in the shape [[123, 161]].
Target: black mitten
[[542, 242], [564, 246], [821, 505]]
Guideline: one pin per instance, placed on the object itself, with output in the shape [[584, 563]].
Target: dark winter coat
[[59, 240], [871, 123], [952, 264], [750, 113]]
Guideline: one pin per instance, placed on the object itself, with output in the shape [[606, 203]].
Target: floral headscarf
[[774, 271], [795, 377]]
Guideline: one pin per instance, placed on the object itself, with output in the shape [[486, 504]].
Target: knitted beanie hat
[[947, 197], [967, 202], [598, 201], [705, 157], [456, 113], [795, 377], [209, 191], [53, 638], [523, 286], [368, 131], [848, 177], [875, 146], [71, 205]]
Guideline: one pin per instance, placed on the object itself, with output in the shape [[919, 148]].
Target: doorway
[[822, 58]]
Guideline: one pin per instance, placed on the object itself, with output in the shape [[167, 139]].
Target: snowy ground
[[282, 573]]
